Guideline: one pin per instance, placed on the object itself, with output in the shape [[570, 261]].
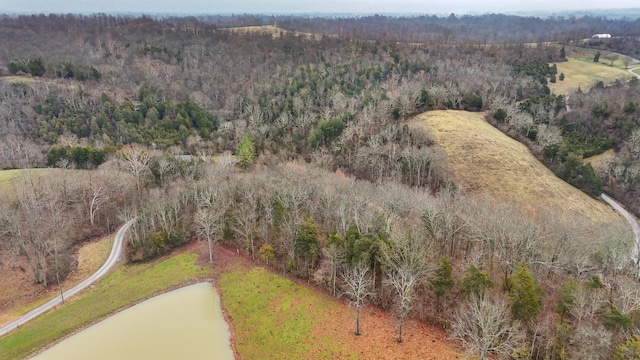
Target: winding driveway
[[635, 254], [116, 251], [635, 61]]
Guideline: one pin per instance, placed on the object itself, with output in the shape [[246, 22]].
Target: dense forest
[[296, 150]]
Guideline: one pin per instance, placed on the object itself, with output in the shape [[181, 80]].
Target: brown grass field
[[597, 159], [581, 71], [14, 79], [273, 30], [485, 161]]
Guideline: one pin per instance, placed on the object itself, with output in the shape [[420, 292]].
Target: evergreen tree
[[36, 67], [475, 283], [567, 297], [246, 151], [525, 295], [306, 245], [442, 280]]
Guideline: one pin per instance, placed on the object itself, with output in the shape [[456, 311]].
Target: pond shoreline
[[209, 280], [185, 320]]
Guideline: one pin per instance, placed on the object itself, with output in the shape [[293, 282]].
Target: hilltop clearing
[[580, 71], [483, 160], [272, 30]]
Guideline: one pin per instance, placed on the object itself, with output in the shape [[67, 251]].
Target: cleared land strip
[[116, 251]]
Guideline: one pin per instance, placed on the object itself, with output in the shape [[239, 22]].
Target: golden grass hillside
[[581, 71], [273, 30], [483, 160]]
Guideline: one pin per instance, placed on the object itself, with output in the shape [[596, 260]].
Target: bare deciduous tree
[[404, 282], [358, 288], [135, 159], [484, 326]]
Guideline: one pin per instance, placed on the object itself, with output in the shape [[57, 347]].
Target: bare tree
[[406, 256], [165, 166], [95, 196], [358, 288], [484, 326], [207, 226], [592, 342], [135, 159], [212, 204], [334, 256], [611, 57], [404, 282]]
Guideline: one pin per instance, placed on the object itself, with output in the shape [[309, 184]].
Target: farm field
[[581, 72], [483, 160]]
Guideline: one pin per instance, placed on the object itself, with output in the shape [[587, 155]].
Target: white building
[[601, 36]]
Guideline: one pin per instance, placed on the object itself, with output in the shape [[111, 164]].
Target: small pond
[[182, 324]]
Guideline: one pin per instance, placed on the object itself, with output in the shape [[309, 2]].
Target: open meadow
[[582, 72], [272, 30], [484, 160]]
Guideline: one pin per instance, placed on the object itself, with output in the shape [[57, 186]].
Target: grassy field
[[121, 288], [9, 177], [276, 318], [483, 160], [272, 319], [18, 79], [274, 31], [597, 159], [6, 179], [581, 71]]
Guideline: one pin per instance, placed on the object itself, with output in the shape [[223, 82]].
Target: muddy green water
[[183, 324]]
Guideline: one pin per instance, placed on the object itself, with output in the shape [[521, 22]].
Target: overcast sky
[[307, 6]]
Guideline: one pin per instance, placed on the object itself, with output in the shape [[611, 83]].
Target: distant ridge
[[630, 13]]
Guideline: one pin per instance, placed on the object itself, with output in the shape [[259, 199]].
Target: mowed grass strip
[[485, 161], [123, 287], [581, 72], [274, 318]]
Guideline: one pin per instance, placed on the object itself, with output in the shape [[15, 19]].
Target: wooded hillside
[[297, 151]]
